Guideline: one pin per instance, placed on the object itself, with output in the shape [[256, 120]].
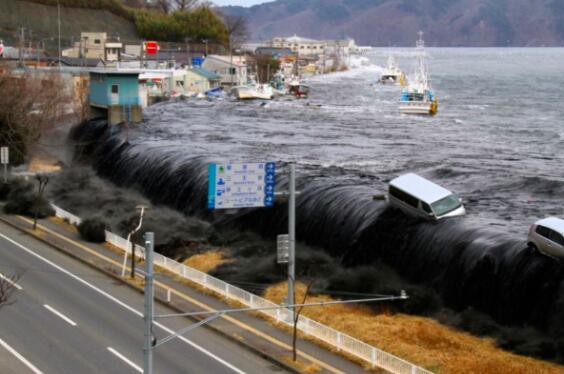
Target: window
[[556, 237], [96, 41], [426, 208], [446, 205], [543, 231], [403, 196], [232, 71], [115, 89]]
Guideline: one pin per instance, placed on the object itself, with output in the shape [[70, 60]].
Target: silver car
[[547, 236]]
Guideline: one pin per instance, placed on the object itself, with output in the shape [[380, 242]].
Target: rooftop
[[554, 223], [206, 73], [420, 187]]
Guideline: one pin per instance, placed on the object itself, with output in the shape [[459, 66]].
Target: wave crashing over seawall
[[468, 266]]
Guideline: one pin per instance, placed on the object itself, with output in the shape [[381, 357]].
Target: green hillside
[[41, 21]]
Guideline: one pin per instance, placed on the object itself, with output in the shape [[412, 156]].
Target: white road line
[[125, 359], [60, 315], [20, 357], [11, 282], [121, 303]]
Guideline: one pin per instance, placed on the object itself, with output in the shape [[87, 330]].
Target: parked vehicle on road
[[547, 236], [422, 198]]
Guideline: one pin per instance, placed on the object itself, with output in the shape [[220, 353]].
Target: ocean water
[[498, 139]]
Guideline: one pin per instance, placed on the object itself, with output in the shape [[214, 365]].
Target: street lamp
[[141, 209]]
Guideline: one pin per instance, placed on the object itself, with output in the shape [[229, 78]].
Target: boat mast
[[421, 74]]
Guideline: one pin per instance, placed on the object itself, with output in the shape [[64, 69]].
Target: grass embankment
[[207, 261], [422, 341], [196, 24]]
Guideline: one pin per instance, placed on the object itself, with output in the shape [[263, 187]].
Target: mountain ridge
[[446, 23]]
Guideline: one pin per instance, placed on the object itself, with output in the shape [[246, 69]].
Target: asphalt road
[[69, 318]]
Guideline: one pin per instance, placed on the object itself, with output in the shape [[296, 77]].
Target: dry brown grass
[[207, 261], [302, 366], [422, 341], [63, 223], [44, 163]]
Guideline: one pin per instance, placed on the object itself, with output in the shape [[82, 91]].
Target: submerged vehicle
[[393, 74], [547, 236], [422, 198], [418, 98]]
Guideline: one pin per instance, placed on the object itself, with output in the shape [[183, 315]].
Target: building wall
[[222, 69], [195, 82], [101, 85]]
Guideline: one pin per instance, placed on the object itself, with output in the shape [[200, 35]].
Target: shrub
[[93, 230], [22, 199]]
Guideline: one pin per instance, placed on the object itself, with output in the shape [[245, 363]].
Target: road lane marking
[[60, 315], [233, 320], [20, 357], [121, 303], [125, 359], [11, 282]]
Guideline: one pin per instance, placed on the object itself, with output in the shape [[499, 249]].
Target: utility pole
[[22, 43], [59, 29], [292, 238], [149, 308]]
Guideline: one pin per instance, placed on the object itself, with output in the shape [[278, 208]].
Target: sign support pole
[[292, 238], [149, 308]]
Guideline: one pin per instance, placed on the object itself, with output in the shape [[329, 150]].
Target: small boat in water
[[418, 98], [253, 91], [297, 89], [393, 74]]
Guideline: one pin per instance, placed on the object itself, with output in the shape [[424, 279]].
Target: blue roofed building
[[199, 80], [115, 94]]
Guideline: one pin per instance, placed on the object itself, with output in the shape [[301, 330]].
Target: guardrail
[[341, 341]]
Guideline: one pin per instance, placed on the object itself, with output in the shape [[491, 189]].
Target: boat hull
[[419, 107], [250, 93]]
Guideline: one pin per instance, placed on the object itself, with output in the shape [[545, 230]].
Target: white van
[[420, 197]]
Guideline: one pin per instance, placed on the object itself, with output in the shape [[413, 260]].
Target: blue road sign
[[241, 185]]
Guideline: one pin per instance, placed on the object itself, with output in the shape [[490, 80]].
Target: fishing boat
[[393, 74], [298, 89], [418, 98], [253, 91]]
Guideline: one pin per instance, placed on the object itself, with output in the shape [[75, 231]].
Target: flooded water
[[498, 139]]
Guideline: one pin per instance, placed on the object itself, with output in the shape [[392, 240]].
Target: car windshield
[[448, 204]]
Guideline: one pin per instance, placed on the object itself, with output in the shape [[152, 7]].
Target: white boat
[[298, 89], [253, 91], [393, 74], [418, 98]]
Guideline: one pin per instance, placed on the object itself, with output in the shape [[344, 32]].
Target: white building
[[95, 45], [302, 46], [232, 70]]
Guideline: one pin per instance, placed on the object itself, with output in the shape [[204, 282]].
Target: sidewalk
[[253, 332]]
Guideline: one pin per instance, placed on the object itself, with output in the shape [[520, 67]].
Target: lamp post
[[141, 209]]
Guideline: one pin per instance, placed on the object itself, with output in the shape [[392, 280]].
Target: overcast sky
[[240, 2]]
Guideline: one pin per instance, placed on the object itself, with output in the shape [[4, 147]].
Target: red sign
[[151, 48]]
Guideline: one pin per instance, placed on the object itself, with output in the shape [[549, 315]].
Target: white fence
[[337, 339]]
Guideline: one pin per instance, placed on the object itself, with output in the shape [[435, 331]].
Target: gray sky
[[240, 2]]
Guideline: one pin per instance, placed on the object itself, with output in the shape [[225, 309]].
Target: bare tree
[[167, 6], [8, 285], [35, 104], [184, 5], [296, 318], [237, 29]]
